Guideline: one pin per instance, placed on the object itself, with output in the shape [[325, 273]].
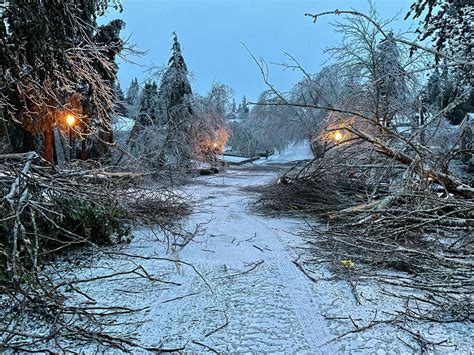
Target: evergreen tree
[[148, 104], [390, 80], [132, 99], [432, 94], [133, 93], [452, 89], [120, 99], [175, 111], [108, 38], [442, 89], [243, 110], [232, 114]]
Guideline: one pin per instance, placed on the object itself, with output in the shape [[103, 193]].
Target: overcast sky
[[210, 32]]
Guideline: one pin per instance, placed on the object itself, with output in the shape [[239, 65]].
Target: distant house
[[466, 129]]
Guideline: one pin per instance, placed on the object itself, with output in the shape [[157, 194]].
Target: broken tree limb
[[450, 182], [371, 206]]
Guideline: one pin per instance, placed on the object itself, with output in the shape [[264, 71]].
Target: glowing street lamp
[[338, 136], [71, 122]]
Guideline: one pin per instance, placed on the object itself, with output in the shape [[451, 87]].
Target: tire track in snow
[[299, 289]]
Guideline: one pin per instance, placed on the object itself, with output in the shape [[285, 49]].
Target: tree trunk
[[48, 145], [422, 126], [28, 143], [5, 144], [450, 182], [83, 155], [59, 151]]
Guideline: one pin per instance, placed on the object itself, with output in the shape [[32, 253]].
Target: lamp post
[[71, 121]]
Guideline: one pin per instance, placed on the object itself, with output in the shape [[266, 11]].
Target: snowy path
[[270, 308]]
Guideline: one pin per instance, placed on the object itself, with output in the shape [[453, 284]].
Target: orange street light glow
[[70, 120], [215, 145], [338, 136]]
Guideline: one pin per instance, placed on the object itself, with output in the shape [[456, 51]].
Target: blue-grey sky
[[210, 32]]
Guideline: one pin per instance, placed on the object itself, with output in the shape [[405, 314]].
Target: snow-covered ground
[[296, 151], [245, 293], [232, 159]]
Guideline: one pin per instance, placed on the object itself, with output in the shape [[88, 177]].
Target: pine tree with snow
[[174, 108], [132, 99], [145, 139], [232, 112], [120, 99], [133, 93], [243, 110], [148, 102], [147, 106]]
